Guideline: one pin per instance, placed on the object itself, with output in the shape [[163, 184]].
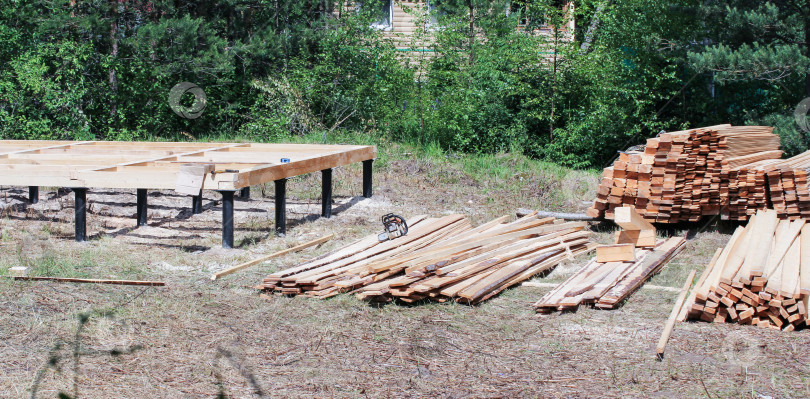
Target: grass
[[299, 347]]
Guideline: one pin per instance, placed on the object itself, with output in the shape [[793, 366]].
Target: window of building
[[520, 9], [382, 12]]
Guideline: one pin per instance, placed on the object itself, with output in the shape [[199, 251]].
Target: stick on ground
[[271, 256], [662, 343], [94, 281]]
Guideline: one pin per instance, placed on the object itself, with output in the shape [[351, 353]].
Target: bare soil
[[198, 338]]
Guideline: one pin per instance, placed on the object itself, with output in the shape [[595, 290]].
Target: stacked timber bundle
[[618, 270], [761, 277], [682, 176], [438, 259], [787, 183], [747, 191]]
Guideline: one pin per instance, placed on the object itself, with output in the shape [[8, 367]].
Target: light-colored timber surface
[[154, 165]]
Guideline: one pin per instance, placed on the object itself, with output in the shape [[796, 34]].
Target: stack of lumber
[[761, 277], [787, 183], [607, 284], [439, 259], [682, 176], [780, 183], [747, 191]]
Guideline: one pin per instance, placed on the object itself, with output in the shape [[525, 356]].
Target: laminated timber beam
[[146, 166]]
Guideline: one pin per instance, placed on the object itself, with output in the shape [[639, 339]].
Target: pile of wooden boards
[[618, 270], [770, 184], [439, 259], [787, 183], [607, 284], [682, 176], [761, 277]]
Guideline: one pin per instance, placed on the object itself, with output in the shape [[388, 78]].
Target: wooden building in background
[[409, 24]]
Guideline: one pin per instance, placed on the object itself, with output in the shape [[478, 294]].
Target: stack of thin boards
[[439, 259], [761, 277], [780, 183], [787, 184], [682, 176], [607, 284]]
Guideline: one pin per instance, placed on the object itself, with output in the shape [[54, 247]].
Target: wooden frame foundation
[[155, 165]]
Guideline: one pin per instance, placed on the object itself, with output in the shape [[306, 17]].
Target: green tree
[[758, 57]]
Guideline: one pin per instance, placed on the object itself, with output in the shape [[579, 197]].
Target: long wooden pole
[[271, 256], [91, 280], [662, 343]]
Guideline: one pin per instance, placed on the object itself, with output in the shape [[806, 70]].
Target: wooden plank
[[93, 281], [791, 264], [786, 234], [350, 250], [615, 253], [759, 249], [277, 254], [736, 255], [650, 265], [676, 309]]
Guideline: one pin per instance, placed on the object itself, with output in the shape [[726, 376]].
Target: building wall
[[406, 22]]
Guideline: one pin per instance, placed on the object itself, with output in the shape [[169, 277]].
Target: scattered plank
[[607, 284], [537, 284], [440, 259]]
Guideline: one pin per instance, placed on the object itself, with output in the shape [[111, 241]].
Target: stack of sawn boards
[[761, 277], [787, 186], [682, 176], [439, 259], [606, 285]]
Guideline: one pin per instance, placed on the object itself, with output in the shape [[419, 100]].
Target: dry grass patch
[[196, 337]]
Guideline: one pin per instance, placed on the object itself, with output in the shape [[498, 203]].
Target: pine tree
[[754, 40], [759, 57]]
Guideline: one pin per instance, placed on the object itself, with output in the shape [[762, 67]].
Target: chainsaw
[[394, 226]]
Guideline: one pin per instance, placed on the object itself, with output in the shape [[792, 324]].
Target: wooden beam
[[629, 219], [190, 178]]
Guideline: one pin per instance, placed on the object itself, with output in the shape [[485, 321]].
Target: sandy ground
[[197, 338]]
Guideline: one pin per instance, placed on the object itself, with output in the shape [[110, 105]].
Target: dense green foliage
[[102, 69]]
